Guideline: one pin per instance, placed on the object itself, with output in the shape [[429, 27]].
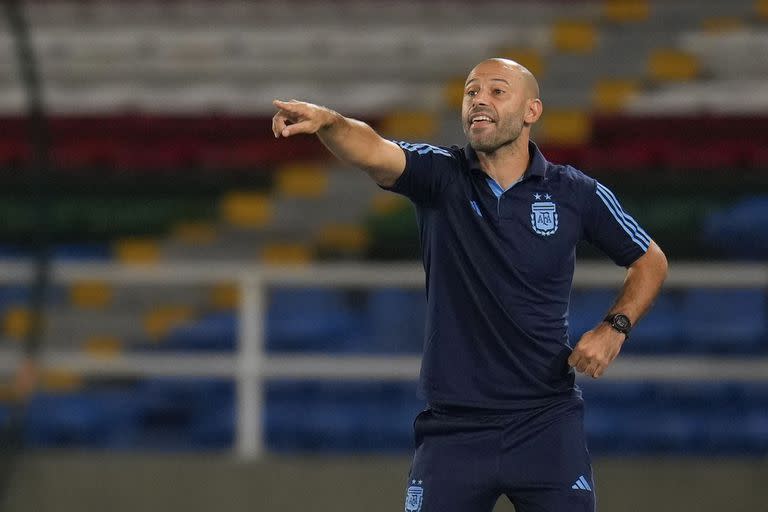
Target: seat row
[[386, 321], [178, 144], [172, 414]]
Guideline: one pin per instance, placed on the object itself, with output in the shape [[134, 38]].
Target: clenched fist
[[595, 350]]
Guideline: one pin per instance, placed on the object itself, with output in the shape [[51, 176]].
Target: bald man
[[499, 225]]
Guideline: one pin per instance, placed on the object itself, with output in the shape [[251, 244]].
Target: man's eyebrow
[[492, 80]]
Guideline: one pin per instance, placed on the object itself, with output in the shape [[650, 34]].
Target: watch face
[[621, 321]]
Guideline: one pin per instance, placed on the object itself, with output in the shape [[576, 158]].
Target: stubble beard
[[500, 136]]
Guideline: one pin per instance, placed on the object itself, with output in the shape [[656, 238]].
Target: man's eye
[[498, 91], [471, 94]]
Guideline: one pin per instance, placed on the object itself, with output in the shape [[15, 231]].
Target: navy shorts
[[466, 459]]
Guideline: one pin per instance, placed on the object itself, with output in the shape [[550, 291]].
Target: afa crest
[[413, 497], [544, 217]]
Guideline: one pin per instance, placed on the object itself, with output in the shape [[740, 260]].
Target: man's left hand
[[595, 350]]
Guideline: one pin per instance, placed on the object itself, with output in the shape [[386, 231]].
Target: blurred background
[[150, 361]]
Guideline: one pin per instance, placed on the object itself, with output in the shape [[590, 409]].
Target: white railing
[[250, 366]]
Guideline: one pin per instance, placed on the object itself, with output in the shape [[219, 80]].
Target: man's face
[[494, 106]]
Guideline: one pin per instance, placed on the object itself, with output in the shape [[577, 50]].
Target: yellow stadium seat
[[343, 237], [453, 93], [286, 254], [626, 11], [158, 322], [137, 250], [16, 322], [195, 233], [574, 36], [225, 296], [7, 392], [60, 381], [302, 180], [722, 24], [612, 95], [669, 65], [566, 126], [386, 202], [529, 58], [103, 346], [90, 294], [410, 125], [761, 8], [246, 209]]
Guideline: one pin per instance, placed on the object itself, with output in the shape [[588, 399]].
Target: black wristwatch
[[620, 323]]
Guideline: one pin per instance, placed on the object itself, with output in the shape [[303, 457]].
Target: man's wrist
[[619, 322], [330, 120]]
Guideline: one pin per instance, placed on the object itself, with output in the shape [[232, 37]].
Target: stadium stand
[[162, 152]]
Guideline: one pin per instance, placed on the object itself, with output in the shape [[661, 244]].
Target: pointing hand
[[294, 117]]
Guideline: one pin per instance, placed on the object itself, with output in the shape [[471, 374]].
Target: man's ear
[[533, 111]]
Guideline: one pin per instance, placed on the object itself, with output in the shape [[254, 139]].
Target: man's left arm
[[598, 347]]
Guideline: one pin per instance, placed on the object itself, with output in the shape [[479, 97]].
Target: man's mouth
[[479, 120]]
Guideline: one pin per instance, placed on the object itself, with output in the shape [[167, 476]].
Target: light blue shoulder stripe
[[622, 221], [423, 149], [636, 227]]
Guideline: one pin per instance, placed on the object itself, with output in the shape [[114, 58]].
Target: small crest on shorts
[[544, 217], [413, 496]]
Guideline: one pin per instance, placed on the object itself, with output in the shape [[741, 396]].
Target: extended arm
[[598, 347], [351, 141]]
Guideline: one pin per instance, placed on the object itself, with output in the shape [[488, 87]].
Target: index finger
[[294, 107]]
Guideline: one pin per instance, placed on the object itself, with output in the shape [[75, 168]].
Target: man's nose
[[480, 99]]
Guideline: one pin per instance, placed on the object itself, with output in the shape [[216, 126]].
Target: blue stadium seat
[[396, 321], [698, 418], [341, 417], [216, 332], [310, 319], [8, 251], [216, 428], [725, 321], [660, 331], [738, 231], [85, 419], [82, 252], [11, 295], [182, 414]]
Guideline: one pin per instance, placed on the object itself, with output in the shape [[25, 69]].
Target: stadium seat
[[136, 251], [84, 419], [341, 417], [302, 180], [726, 321], [82, 252], [660, 331], [625, 11], [286, 253], [213, 332], [736, 232], [246, 210], [311, 320], [90, 294], [396, 319]]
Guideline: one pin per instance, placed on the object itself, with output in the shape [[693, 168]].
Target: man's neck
[[507, 164]]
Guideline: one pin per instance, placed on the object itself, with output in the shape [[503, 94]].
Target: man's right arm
[[351, 141]]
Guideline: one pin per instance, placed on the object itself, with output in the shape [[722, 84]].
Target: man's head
[[501, 102]]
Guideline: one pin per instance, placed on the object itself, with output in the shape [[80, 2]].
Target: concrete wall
[[67, 482]]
